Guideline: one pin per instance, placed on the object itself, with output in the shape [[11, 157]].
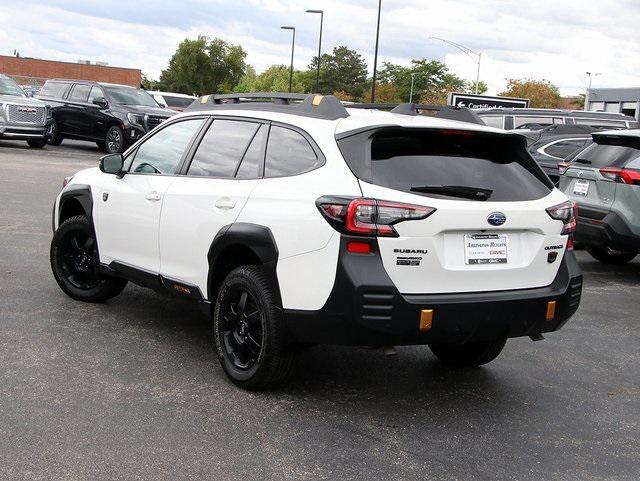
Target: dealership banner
[[485, 102]]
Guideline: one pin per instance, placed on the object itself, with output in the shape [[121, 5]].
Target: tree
[[343, 70], [431, 79], [482, 87], [388, 93], [276, 79], [204, 66], [247, 81], [148, 83], [541, 93]]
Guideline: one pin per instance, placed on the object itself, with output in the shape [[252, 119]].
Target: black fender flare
[[81, 193], [257, 238]]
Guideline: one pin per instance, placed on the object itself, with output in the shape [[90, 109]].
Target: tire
[[74, 262], [56, 138], [607, 256], [471, 354], [114, 140], [36, 143], [249, 334]]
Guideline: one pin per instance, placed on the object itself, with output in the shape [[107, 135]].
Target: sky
[[555, 40]]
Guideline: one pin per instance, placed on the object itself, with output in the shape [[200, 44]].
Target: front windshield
[[9, 87], [129, 96]]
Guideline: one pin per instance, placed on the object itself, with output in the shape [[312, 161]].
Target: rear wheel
[[74, 262], [470, 354], [608, 256], [36, 143], [56, 138], [249, 331]]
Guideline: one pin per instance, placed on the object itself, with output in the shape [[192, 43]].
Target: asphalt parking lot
[[131, 389]]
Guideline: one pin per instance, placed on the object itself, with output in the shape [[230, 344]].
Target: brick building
[[36, 71]]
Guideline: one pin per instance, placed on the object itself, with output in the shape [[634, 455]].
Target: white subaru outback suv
[[294, 220]]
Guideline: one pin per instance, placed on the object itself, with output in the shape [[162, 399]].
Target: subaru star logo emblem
[[496, 218]]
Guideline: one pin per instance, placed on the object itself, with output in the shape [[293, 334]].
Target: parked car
[[535, 119], [30, 90], [114, 116], [604, 179], [22, 118], [308, 222], [171, 100], [555, 143]]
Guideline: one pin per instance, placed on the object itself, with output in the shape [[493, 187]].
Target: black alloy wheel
[[75, 263], [114, 141], [55, 138], [241, 329], [79, 260]]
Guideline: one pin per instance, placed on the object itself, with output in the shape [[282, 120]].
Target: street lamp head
[[284, 27], [315, 11]]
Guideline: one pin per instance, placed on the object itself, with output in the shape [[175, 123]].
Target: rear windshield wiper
[[474, 193], [582, 161]]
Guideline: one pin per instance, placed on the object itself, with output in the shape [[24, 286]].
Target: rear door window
[[447, 164], [289, 153], [222, 148], [251, 165], [80, 93]]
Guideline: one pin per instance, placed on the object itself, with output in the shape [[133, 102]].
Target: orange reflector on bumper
[[426, 316], [551, 310]]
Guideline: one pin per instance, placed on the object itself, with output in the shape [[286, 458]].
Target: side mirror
[[101, 102], [29, 93], [112, 164]]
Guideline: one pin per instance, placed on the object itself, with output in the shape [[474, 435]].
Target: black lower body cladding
[[605, 228], [365, 308]]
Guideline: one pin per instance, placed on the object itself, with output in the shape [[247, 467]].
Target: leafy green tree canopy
[[343, 70], [204, 66]]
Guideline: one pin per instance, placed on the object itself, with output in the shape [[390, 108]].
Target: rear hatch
[[490, 230], [605, 176]]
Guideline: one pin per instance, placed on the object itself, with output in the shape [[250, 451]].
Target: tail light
[[562, 167], [369, 217], [567, 212], [623, 176]]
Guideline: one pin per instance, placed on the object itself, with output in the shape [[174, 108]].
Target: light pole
[[293, 46], [375, 55], [411, 93], [587, 97], [319, 48], [470, 53]]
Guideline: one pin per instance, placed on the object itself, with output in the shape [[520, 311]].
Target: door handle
[[153, 195], [225, 203]]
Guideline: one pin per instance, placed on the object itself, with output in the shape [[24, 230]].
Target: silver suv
[[21, 117]]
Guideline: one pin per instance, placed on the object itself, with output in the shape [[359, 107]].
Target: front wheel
[[36, 143], [249, 331], [114, 140], [74, 262], [56, 138], [608, 256], [470, 354]]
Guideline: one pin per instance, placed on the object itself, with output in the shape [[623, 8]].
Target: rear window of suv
[[608, 153], [446, 164]]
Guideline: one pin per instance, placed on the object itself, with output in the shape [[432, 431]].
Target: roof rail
[[461, 114], [326, 107]]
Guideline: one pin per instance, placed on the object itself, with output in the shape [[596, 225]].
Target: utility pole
[[319, 48], [293, 46]]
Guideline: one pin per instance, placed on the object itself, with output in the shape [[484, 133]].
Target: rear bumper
[[605, 228], [365, 308]]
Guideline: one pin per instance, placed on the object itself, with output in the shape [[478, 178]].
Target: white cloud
[[555, 40]]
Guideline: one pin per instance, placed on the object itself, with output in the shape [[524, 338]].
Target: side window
[[161, 153], [288, 153], [251, 165], [493, 121], [222, 148], [80, 93], [54, 89], [564, 148], [96, 93]]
